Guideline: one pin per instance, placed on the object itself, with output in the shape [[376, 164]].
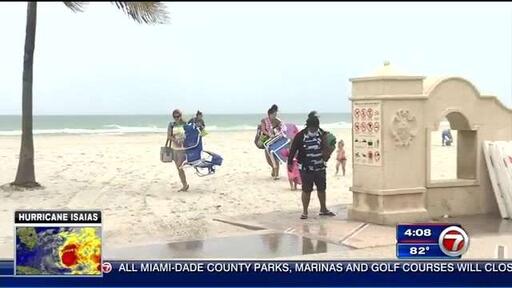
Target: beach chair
[[276, 145], [193, 147]]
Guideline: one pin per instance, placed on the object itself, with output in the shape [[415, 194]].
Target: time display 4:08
[[418, 233]]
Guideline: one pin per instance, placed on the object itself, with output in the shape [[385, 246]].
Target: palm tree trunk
[[26, 176]]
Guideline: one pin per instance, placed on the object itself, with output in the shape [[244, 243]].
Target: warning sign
[[366, 131]]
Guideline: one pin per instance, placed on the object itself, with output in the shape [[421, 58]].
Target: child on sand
[[294, 174], [341, 158]]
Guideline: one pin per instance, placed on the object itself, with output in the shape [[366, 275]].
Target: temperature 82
[[422, 250]]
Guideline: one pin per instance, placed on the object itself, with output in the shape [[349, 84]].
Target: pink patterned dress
[[294, 175]]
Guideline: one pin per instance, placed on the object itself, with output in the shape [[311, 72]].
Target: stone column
[[389, 188]]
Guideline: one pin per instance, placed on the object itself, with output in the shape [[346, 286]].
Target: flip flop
[[303, 216], [326, 213]]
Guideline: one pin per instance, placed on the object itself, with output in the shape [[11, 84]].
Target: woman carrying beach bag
[[175, 138]]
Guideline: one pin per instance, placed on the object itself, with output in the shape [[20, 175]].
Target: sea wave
[[120, 130], [337, 125], [115, 129]]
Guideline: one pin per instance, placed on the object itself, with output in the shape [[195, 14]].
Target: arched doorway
[[458, 156]]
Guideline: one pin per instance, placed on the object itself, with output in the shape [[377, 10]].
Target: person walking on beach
[[341, 158], [198, 120], [270, 127], [313, 151], [447, 138], [175, 138]]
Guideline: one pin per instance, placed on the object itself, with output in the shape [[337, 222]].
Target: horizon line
[[159, 114]]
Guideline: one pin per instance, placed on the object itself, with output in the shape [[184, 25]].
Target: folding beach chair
[[193, 147], [275, 146]]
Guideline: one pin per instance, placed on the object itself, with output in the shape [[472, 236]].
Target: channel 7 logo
[[453, 241]]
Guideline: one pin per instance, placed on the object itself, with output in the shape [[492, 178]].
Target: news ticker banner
[[60, 243], [279, 273]]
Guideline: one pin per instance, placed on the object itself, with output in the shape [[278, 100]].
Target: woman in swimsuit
[[175, 138], [271, 126]]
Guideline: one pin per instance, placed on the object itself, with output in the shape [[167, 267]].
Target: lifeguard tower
[[393, 116]]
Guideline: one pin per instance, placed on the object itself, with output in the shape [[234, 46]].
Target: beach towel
[[330, 147], [267, 128], [290, 130]]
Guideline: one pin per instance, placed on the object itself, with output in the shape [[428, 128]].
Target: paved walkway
[[282, 235], [377, 241]]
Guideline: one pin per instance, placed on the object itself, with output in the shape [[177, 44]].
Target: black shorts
[[317, 178]]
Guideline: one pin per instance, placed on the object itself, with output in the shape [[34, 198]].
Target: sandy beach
[[122, 175]]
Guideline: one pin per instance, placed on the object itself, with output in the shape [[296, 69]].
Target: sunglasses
[[176, 116]]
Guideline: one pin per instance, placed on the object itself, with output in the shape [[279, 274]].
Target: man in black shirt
[[313, 152]]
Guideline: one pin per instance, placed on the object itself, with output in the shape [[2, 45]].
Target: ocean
[[122, 124]]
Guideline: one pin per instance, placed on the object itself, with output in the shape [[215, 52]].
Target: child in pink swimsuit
[[294, 175], [341, 158]]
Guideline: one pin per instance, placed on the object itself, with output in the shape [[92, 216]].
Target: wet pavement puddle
[[252, 246]]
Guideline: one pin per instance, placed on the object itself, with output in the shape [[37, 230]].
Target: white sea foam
[[114, 129], [337, 125], [119, 130]]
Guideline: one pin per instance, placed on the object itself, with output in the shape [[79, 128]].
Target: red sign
[[356, 112], [370, 113], [377, 156]]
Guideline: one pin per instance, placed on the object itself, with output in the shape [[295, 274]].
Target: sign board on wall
[[366, 131]]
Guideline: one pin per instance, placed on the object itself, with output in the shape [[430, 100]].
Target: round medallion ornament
[[404, 127]]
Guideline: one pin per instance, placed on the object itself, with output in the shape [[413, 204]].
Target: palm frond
[[145, 12], [75, 6]]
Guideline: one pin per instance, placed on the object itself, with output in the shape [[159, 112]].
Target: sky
[[225, 57]]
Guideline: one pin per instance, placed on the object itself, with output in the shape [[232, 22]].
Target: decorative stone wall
[[397, 187]]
